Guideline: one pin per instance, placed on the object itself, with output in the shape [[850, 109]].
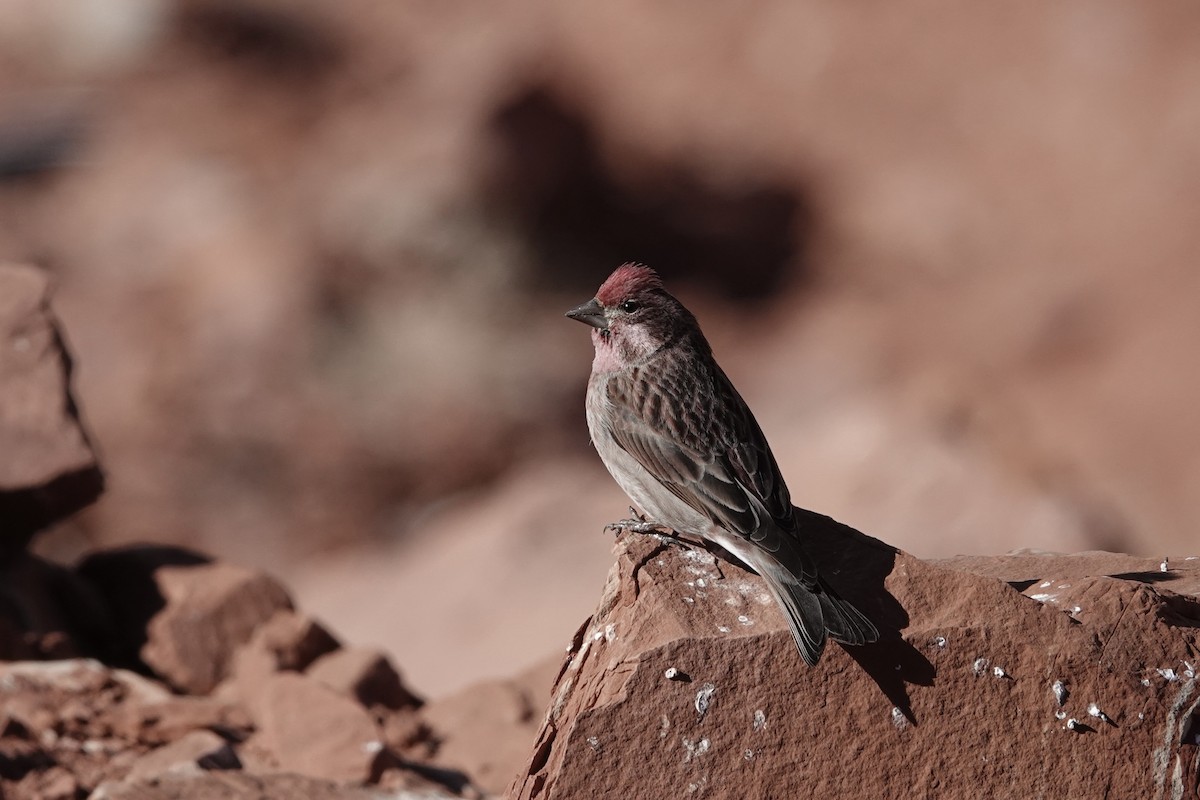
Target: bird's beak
[[590, 312]]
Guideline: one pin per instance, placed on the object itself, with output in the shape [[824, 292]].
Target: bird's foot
[[636, 524], [633, 526], [641, 525]]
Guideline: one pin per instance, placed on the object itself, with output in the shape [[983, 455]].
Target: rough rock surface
[[958, 700], [78, 728], [48, 469]]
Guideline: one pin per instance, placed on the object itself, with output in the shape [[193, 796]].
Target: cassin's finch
[[683, 445]]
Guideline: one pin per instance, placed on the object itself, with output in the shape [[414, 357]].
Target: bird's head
[[633, 316]]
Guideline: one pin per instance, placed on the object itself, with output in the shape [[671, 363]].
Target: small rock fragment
[[195, 751], [365, 674], [210, 610]]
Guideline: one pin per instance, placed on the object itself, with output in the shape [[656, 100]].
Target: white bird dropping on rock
[[1094, 710], [704, 699], [1061, 693]]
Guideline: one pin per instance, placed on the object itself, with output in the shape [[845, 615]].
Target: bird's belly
[[654, 499]]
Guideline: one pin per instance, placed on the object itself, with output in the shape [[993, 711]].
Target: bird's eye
[[630, 306]]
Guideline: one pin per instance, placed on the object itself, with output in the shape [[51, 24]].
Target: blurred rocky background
[[312, 258]]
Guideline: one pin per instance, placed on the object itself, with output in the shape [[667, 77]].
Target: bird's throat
[[608, 356]]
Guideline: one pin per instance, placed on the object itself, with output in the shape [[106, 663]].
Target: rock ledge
[[1014, 676]]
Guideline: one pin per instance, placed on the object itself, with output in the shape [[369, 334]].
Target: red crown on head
[[627, 280]]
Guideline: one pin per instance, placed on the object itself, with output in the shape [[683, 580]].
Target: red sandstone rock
[[958, 701], [293, 640], [1180, 575], [365, 674], [159, 722], [47, 467], [56, 783], [190, 753], [209, 610], [289, 641], [486, 730], [308, 728], [66, 714]]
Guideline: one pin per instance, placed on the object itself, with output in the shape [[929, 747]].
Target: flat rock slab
[[304, 726], [1084, 687], [47, 467]]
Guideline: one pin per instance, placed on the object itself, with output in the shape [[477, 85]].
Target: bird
[[682, 443]]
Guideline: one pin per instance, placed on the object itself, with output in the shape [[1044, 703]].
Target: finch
[[681, 442]]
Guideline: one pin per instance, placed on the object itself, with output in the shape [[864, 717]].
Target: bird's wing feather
[[692, 476], [726, 472]]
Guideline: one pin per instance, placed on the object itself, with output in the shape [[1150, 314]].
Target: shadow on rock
[[858, 566]]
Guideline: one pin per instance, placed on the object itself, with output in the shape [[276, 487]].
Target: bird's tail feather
[[803, 609], [814, 613], [844, 622]]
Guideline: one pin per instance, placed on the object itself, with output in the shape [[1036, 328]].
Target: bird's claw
[[633, 526], [637, 523], [641, 525]]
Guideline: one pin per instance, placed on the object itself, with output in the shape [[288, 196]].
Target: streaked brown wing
[[717, 461], [702, 484]]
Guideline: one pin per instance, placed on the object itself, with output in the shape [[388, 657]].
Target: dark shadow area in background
[[124, 579], [286, 45], [580, 218]]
